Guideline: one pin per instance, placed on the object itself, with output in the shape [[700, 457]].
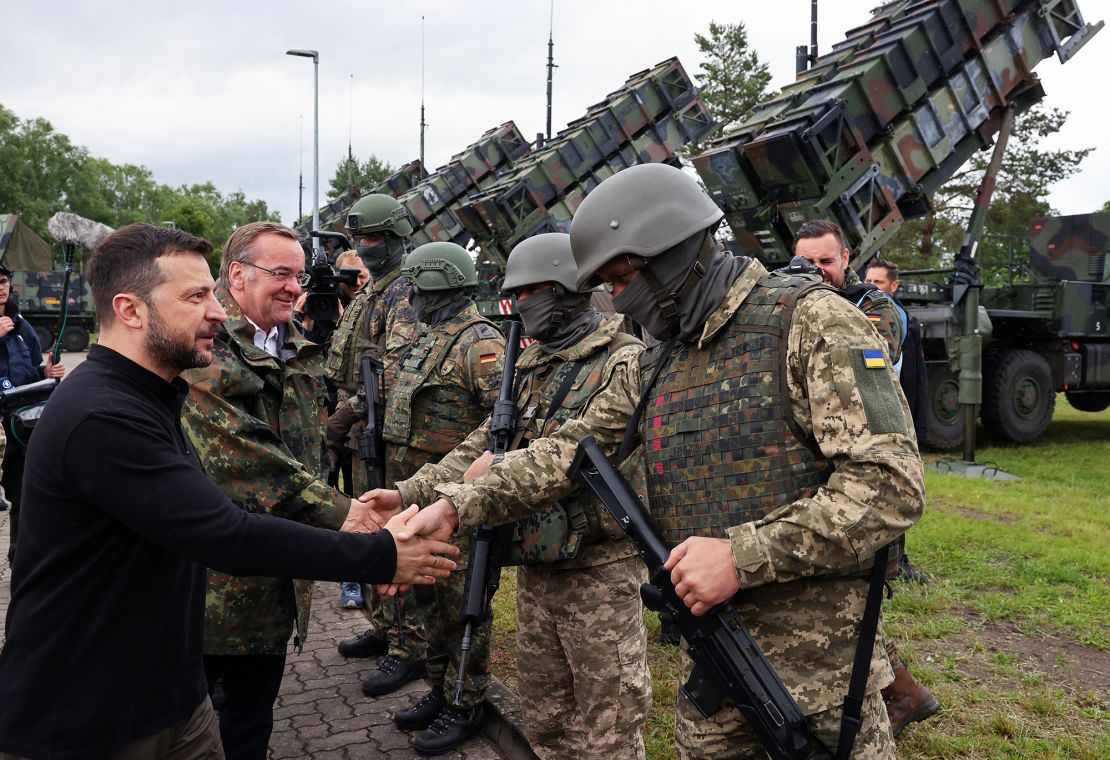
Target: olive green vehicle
[[39, 292]]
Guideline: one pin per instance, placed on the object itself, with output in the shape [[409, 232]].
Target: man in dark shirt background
[[21, 362], [121, 522]]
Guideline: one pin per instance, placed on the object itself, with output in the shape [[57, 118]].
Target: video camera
[[322, 303]]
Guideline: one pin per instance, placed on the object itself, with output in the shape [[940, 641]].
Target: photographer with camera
[[350, 276], [21, 362]]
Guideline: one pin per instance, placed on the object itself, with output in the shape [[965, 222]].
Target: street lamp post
[[315, 56]]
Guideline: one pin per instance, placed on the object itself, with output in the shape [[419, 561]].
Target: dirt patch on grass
[[975, 514], [1072, 666]]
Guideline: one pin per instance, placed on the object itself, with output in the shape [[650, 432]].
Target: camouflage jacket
[[379, 320], [882, 312], [799, 567], [442, 478], [258, 427]]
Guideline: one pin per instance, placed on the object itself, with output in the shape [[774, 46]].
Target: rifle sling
[[861, 667], [560, 394]]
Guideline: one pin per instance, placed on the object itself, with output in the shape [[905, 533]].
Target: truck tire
[[1089, 401], [46, 337], [1019, 397], [945, 421], [75, 338]]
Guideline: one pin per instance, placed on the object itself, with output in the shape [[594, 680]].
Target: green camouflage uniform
[[801, 562], [581, 641], [378, 321], [258, 427], [445, 383]]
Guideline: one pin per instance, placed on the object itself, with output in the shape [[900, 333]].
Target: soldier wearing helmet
[[581, 642], [777, 449], [378, 320], [445, 382]]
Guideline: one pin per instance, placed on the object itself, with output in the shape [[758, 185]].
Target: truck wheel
[[1019, 397], [75, 338], [945, 421], [1089, 401], [46, 337]]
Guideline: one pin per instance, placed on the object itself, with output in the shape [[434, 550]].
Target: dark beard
[[169, 352]]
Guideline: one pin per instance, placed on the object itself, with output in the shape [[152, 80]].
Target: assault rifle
[[487, 543], [371, 446], [728, 663]]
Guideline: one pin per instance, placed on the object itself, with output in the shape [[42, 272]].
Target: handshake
[[420, 536]]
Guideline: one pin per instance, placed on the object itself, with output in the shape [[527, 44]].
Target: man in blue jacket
[[20, 364]]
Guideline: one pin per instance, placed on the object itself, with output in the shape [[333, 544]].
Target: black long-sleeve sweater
[[104, 629]]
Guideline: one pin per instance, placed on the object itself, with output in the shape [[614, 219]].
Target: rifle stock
[[728, 663], [483, 570]]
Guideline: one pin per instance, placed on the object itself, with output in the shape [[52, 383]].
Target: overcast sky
[[203, 90]]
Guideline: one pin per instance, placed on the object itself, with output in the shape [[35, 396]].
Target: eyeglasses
[[284, 275]]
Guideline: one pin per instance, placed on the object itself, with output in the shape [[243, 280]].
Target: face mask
[[537, 312], [638, 302], [427, 303]]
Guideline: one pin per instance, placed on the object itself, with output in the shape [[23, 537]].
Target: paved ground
[[321, 712]]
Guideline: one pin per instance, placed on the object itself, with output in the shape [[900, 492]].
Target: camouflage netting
[[20, 247]]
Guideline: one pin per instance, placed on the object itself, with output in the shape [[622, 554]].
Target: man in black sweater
[[120, 523]]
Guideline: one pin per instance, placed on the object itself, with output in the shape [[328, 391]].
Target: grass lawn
[[1013, 632]]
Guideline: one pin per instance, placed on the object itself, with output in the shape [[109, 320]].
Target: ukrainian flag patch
[[873, 358]]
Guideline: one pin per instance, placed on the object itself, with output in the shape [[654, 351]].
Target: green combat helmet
[[440, 266], [379, 214], [542, 258], [642, 211]]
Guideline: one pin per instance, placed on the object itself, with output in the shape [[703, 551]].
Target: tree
[[1028, 170], [42, 172], [732, 78], [362, 177]]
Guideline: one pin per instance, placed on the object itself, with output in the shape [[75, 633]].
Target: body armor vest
[[558, 532], [352, 337], [424, 410], [720, 445]]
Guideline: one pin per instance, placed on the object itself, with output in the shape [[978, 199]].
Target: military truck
[[867, 134], [40, 303]]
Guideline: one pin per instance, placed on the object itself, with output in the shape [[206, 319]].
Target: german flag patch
[[487, 358], [873, 358], [874, 317]]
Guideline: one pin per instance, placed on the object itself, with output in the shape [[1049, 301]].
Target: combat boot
[[391, 675], [907, 699], [423, 713], [366, 644], [452, 727], [907, 572]]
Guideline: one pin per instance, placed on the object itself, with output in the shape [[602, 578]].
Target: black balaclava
[[694, 301], [557, 320]]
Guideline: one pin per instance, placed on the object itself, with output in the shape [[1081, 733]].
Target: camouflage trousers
[[727, 736], [582, 660]]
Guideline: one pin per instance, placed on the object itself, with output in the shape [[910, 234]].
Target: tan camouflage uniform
[[436, 400], [581, 641], [801, 567], [258, 427]]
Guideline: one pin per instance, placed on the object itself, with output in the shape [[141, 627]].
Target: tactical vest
[[352, 337], [424, 410], [721, 447], [563, 528]]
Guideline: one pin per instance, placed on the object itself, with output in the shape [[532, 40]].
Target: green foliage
[[732, 78], [362, 176], [1021, 192], [42, 172]]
